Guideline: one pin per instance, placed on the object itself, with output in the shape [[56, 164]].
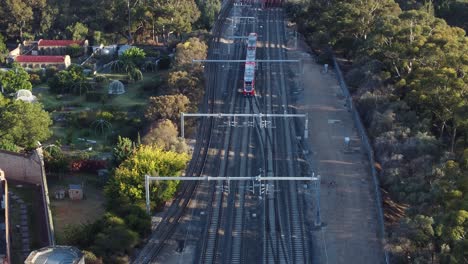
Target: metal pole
[[295, 40], [147, 194], [182, 128], [318, 221]]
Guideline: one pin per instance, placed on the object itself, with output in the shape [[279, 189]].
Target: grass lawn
[[132, 102], [67, 212]]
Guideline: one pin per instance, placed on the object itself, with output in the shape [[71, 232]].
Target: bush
[[100, 79], [91, 166], [90, 258], [74, 50], [35, 79], [105, 115], [50, 71]]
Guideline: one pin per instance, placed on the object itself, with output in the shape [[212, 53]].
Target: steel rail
[[157, 242], [210, 243]]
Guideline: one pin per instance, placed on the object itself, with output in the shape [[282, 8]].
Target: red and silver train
[[249, 72]]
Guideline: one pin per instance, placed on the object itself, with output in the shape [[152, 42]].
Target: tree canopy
[[410, 83], [23, 124], [15, 79], [100, 20], [167, 107], [128, 181]]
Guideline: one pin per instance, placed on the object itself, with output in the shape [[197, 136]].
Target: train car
[[252, 41], [249, 79], [251, 47]]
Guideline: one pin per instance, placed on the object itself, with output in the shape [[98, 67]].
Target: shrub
[[91, 166], [35, 79], [74, 50], [105, 115], [100, 79], [50, 71], [90, 258]]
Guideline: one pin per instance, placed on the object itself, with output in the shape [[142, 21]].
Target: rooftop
[[55, 255], [31, 58], [58, 43], [75, 186]]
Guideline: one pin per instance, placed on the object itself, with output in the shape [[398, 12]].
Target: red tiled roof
[[58, 43], [49, 59]]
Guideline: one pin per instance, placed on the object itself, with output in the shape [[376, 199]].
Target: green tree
[[209, 10], [128, 181], [3, 49], [19, 15], [164, 135], [24, 124], [115, 237], [189, 50], [78, 31], [167, 107], [15, 79], [133, 55], [74, 50], [123, 149], [70, 80], [135, 74]]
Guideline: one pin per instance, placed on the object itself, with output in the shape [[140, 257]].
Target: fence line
[[369, 150]]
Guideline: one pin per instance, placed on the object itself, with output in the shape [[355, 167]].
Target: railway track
[[167, 227], [213, 245], [284, 229]]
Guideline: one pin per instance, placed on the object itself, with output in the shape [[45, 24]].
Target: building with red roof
[[58, 47], [31, 61]]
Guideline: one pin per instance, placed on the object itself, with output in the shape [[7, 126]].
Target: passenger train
[[249, 72]]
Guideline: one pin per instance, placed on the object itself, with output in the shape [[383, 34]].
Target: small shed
[[75, 192]]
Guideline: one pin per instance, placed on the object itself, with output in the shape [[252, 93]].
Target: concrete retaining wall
[[21, 167]]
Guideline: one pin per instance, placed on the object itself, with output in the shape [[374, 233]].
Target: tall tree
[[3, 49], [78, 31], [24, 124], [189, 50], [167, 107], [15, 79], [128, 180]]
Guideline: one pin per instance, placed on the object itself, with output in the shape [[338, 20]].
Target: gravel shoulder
[[348, 209]]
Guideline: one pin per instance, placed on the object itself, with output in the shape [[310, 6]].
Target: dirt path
[[348, 207]]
